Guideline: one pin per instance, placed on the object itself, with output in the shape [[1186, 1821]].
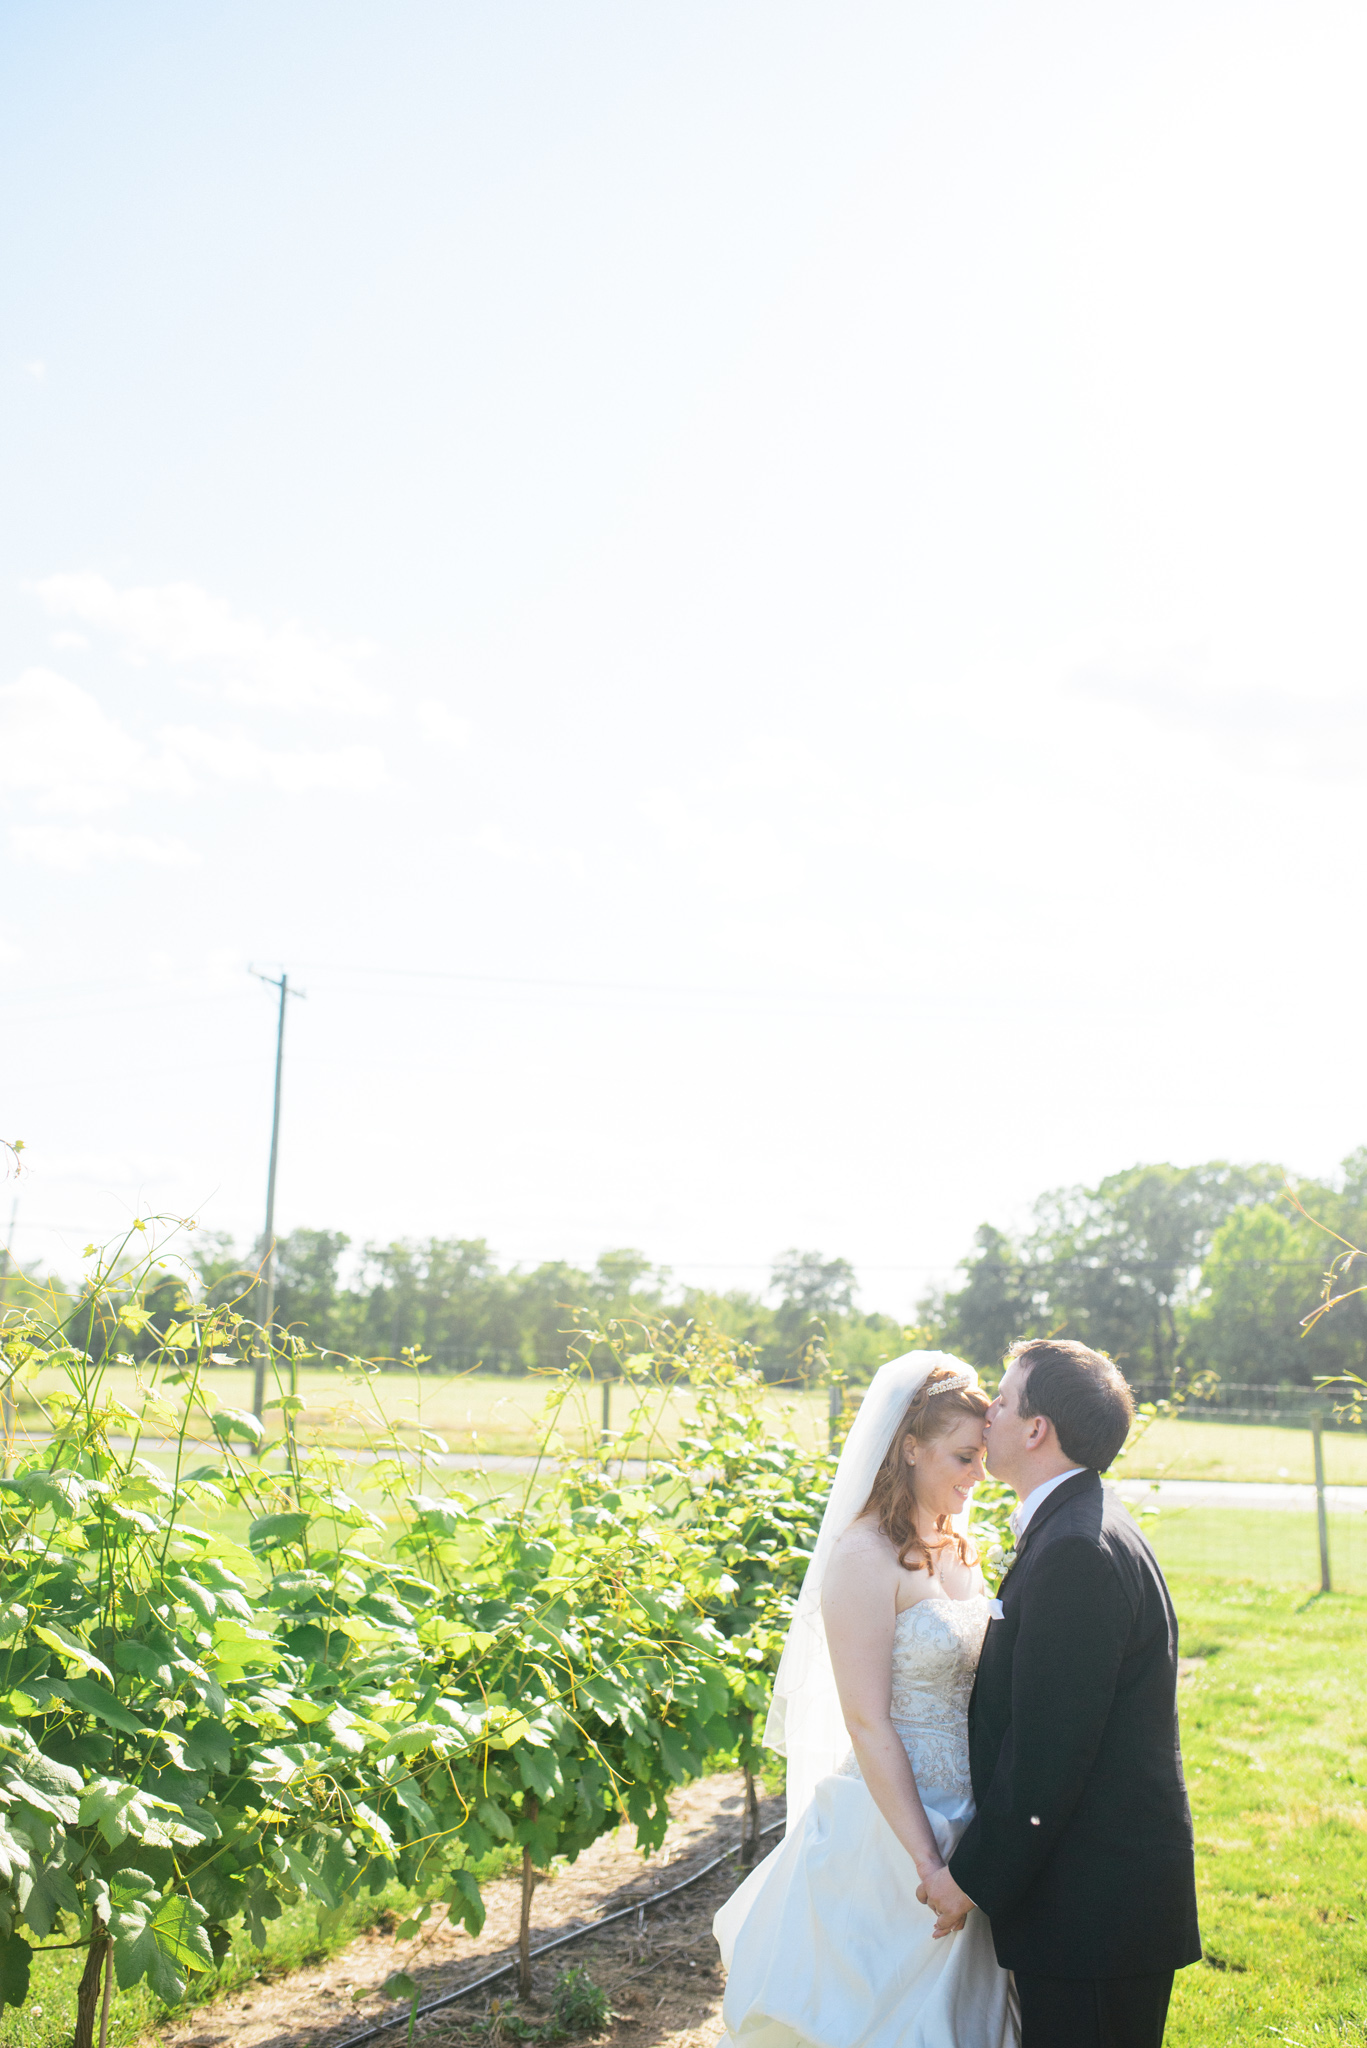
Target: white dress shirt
[[1020, 1520]]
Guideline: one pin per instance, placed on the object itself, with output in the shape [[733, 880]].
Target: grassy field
[[1180, 1449], [1272, 1547], [493, 1415], [1275, 1742], [475, 1412]]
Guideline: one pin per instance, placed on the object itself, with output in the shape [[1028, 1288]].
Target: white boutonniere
[[1000, 1559]]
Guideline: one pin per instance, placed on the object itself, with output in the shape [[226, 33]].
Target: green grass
[[1269, 1546], [481, 1413], [1275, 1741], [48, 2018], [1188, 1449]]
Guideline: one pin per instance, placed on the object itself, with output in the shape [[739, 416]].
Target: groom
[[1081, 1851]]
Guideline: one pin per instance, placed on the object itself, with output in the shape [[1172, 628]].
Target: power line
[[654, 988]]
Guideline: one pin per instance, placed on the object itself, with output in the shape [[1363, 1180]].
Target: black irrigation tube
[[401, 2019]]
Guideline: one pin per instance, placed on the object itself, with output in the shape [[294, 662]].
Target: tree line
[[1175, 1271], [450, 1302]]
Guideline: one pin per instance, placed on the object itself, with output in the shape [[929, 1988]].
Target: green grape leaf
[[98, 1700], [119, 1810], [13, 1620], [71, 1648], [271, 1532], [14, 1855], [15, 1958], [179, 1928], [463, 1898], [204, 1603], [412, 1737], [208, 1745], [160, 1942], [44, 1893], [227, 1423]]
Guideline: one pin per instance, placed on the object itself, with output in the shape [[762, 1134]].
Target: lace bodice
[[935, 1650]]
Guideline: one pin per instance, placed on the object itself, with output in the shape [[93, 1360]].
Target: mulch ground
[[659, 1966]]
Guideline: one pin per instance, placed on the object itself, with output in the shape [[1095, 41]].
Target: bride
[[825, 1944]]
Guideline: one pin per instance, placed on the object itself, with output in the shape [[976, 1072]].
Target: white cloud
[[62, 750], [242, 658], [77, 642], [435, 722], [1274, 732], [37, 369], [236, 757], [74, 848]]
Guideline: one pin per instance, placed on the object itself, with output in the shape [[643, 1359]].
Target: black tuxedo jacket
[[1081, 1850]]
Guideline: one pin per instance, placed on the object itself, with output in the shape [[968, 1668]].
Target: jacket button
[[1034, 1820]]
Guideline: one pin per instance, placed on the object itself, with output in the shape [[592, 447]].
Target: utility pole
[[259, 1381], [11, 1411]]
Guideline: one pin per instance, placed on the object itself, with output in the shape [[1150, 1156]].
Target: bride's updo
[[893, 1499]]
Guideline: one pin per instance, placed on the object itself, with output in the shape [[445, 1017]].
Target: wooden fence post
[[1317, 1435]]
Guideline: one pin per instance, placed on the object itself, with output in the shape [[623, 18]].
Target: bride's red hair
[[893, 1499]]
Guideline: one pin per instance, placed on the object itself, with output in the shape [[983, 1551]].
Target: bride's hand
[[952, 1906]]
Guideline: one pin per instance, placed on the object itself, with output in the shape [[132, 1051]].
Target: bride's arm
[[859, 1608]]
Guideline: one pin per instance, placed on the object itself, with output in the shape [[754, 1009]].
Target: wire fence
[[1267, 1547], [1294, 1407]]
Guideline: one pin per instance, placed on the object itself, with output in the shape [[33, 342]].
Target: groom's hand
[[951, 1905]]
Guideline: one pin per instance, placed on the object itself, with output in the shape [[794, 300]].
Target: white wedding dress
[[825, 1944]]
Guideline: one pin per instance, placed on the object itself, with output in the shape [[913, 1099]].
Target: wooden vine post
[[97, 1959], [749, 1834], [524, 1932]]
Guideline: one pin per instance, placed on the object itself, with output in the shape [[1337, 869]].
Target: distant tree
[[812, 1291], [443, 1297], [545, 1299], [222, 1271], [1117, 1266], [1260, 1280], [859, 1344], [308, 1293], [1125, 1257], [809, 1285], [1264, 1278], [996, 1304], [616, 1277]]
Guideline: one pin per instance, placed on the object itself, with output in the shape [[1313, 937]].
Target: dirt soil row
[[659, 1966]]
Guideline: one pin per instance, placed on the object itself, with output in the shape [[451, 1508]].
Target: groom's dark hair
[[1084, 1395]]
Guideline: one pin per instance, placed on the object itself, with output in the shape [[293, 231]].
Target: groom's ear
[[1037, 1432]]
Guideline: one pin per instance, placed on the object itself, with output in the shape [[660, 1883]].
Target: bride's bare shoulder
[[862, 1549]]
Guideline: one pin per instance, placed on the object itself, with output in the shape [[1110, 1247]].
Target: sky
[[760, 604]]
